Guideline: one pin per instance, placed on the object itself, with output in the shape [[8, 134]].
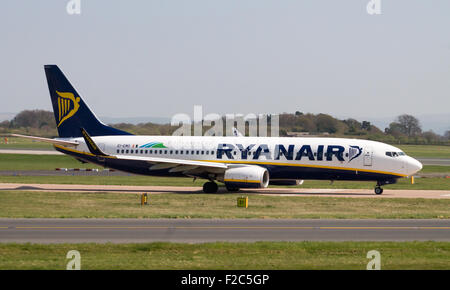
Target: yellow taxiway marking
[[235, 227]]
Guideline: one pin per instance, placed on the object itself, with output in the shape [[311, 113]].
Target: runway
[[299, 192], [212, 230]]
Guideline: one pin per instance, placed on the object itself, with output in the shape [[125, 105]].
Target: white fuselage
[[316, 153]]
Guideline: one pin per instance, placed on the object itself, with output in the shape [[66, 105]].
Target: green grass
[[429, 151], [429, 183], [40, 162], [226, 256], [435, 169], [22, 143], [26, 204]]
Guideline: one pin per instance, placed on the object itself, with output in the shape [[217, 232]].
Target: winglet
[[91, 144]]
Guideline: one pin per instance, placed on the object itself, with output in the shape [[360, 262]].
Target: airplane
[[237, 161]]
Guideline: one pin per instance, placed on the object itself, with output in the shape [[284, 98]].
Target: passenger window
[[118, 151], [203, 152], [212, 152], [176, 151], [171, 151], [165, 151], [126, 151], [181, 152], [122, 150], [146, 151], [198, 152], [131, 151]]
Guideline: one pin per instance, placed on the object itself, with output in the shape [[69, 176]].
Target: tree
[[353, 125], [447, 135], [366, 126], [409, 125], [326, 123], [431, 137], [395, 129], [34, 119]]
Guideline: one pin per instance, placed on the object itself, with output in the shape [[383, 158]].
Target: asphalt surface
[[211, 230], [435, 161], [279, 191]]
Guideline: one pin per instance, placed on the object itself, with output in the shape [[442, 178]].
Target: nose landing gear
[[380, 183], [378, 190]]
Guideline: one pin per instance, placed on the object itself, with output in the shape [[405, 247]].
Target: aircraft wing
[[178, 165], [48, 140], [174, 165]]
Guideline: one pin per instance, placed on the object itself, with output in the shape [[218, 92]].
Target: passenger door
[[368, 155]]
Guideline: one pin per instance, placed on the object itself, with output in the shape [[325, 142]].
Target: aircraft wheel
[[378, 190], [210, 187]]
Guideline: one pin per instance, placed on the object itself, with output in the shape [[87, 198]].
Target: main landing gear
[[210, 187]]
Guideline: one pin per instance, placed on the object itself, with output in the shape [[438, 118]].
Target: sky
[[158, 58]]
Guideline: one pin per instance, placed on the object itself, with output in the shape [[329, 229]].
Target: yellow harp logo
[[67, 106]]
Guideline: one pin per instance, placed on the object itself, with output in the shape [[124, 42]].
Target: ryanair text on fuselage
[[320, 153]]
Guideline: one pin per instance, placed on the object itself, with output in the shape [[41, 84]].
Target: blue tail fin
[[71, 113]]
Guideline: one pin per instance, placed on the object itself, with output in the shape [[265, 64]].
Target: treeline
[[406, 129]]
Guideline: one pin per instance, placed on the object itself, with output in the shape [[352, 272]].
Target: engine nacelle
[[286, 182], [246, 177]]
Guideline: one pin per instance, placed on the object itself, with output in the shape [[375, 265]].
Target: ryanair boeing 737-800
[[238, 162]]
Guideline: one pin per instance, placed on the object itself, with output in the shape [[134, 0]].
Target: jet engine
[[246, 177]]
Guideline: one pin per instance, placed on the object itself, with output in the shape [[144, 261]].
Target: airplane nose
[[414, 166]]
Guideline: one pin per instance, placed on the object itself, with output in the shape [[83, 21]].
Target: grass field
[[22, 143], [435, 169], [429, 151], [25, 204], [227, 256], [40, 162]]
